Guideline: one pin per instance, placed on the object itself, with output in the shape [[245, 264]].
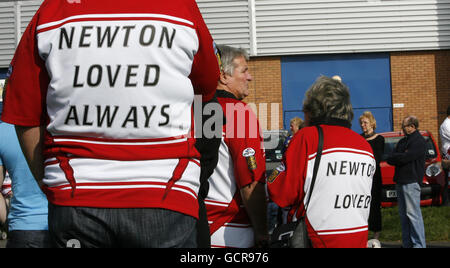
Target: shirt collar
[[225, 94], [332, 121]]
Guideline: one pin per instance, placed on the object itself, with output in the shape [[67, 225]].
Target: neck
[[330, 121], [368, 134]]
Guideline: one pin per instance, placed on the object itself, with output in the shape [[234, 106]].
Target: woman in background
[[295, 125], [368, 126]]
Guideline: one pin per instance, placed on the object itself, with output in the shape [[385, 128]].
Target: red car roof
[[400, 133]]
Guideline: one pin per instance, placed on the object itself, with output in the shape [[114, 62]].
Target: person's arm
[[25, 100], [446, 164], [393, 158], [3, 209], [285, 184], [31, 142], [254, 199], [414, 151], [249, 171], [444, 131], [205, 68]]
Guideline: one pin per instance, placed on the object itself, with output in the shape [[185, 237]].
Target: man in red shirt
[[236, 202]]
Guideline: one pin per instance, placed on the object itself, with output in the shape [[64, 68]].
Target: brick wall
[[265, 91], [420, 81], [442, 61]]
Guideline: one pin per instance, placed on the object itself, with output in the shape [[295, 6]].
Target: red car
[[433, 186]]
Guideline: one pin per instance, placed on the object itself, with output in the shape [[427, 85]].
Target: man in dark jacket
[[409, 161]]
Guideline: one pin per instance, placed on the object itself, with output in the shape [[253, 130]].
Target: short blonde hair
[[369, 115], [297, 121]]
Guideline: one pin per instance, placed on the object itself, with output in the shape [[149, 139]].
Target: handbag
[[294, 234]]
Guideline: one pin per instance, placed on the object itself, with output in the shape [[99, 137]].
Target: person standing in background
[[5, 203], [444, 132], [295, 125], [408, 158], [28, 215], [368, 125]]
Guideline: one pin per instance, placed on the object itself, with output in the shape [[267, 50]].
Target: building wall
[[292, 27], [421, 82], [7, 34], [271, 28], [420, 86], [442, 63], [265, 90], [346, 26], [228, 21]]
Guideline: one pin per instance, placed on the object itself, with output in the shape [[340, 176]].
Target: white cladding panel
[[27, 11], [346, 26], [291, 27], [228, 21], [7, 33], [14, 18]]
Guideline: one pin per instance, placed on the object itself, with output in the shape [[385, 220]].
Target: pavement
[[439, 244], [432, 244]]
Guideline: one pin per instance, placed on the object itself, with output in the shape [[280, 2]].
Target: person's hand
[[445, 164]]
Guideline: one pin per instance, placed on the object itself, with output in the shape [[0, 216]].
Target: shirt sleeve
[[205, 69], [26, 86], [247, 153], [285, 184], [406, 152], [445, 138]]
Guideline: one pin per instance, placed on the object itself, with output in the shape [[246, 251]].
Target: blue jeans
[[120, 228], [272, 216], [413, 230]]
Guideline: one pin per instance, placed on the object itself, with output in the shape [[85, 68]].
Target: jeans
[[28, 239], [120, 228], [272, 216], [413, 230]]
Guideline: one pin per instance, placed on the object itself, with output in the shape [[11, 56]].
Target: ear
[[223, 78]]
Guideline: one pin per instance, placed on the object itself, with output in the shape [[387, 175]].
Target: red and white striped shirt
[[229, 222], [338, 212], [114, 85], [6, 187]]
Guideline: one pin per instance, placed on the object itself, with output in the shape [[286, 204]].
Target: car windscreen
[[391, 142]]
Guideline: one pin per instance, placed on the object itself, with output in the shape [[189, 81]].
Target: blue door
[[367, 75]]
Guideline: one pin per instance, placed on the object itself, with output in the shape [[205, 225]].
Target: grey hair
[[413, 120], [328, 98], [228, 54]]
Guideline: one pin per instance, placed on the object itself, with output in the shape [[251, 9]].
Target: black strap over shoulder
[[295, 234], [316, 164]]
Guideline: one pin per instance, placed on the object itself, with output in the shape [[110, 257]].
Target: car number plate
[[391, 194]]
